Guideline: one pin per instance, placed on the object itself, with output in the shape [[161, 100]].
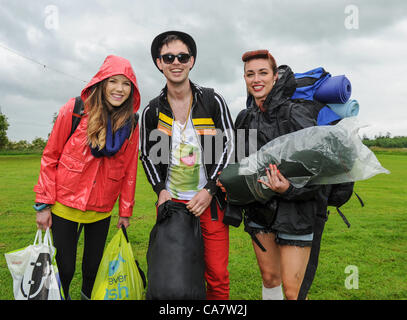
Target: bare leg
[[294, 260], [269, 261]]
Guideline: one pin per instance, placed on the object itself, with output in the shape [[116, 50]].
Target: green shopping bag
[[118, 277]]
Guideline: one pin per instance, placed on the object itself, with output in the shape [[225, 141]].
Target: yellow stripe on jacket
[[203, 121], [203, 126]]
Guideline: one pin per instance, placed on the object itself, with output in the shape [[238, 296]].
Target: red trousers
[[216, 246]]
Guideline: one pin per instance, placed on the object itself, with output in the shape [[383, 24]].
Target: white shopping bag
[[34, 270]]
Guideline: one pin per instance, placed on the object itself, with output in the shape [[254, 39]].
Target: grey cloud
[[223, 30]]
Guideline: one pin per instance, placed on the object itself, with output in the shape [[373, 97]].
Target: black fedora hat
[[186, 38]]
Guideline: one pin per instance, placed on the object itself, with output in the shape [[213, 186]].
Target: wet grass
[[376, 243]]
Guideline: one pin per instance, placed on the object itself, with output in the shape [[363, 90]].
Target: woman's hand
[[44, 219], [277, 182], [219, 184], [123, 221]]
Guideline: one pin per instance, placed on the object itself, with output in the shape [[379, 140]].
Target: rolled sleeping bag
[[335, 89], [175, 255], [345, 110]]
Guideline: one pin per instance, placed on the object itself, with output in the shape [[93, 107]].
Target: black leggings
[[64, 234]]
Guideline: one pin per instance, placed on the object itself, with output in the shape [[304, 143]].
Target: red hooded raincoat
[[71, 175]]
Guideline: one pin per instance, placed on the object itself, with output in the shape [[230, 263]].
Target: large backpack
[[307, 85], [337, 194]]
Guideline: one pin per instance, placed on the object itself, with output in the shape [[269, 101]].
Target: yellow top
[[77, 215]]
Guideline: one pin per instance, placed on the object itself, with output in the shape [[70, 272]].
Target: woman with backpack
[[83, 173], [281, 229]]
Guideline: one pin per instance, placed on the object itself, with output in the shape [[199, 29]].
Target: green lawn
[[376, 243]]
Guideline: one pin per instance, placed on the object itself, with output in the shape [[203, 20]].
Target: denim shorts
[[301, 240]]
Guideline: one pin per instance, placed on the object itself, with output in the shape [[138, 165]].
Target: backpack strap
[[359, 198], [208, 98], [312, 265], [136, 118], [76, 115], [251, 231], [284, 119], [155, 103], [343, 217]]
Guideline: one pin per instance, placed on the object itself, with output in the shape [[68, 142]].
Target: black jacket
[[211, 119], [295, 210]]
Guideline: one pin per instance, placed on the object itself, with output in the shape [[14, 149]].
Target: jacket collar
[[196, 91]]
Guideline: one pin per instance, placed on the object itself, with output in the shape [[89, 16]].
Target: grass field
[[376, 243]]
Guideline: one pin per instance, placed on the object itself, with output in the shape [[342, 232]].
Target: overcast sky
[[364, 39]]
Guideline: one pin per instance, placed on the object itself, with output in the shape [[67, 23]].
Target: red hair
[[260, 54]]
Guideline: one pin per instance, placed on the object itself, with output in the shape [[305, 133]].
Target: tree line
[[38, 144], [386, 141]]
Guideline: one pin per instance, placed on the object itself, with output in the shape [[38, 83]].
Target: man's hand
[[163, 197], [198, 204], [277, 182]]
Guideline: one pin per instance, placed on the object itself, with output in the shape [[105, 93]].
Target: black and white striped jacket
[[211, 120]]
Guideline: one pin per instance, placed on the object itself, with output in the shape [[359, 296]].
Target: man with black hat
[[197, 125]]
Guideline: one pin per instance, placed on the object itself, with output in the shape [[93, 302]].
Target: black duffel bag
[[175, 256]]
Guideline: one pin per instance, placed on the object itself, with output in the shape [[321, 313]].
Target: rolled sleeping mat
[[345, 110], [337, 89], [327, 116], [314, 155]]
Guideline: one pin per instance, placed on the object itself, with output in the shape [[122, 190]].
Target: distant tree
[[3, 130], [54, 117], [38, 144], [19, 145]]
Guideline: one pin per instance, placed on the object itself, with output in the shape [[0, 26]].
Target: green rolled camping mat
[[237, 189]]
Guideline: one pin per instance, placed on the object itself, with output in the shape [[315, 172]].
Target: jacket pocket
[[116, 174], [69, 173], [112, 188]]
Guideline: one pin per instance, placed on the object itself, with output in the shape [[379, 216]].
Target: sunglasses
[[169, 58]]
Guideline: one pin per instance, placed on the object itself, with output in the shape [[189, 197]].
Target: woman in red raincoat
[[83, 175]]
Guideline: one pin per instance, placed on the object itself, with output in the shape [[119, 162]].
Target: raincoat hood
[[282, 91], [112, 66]]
